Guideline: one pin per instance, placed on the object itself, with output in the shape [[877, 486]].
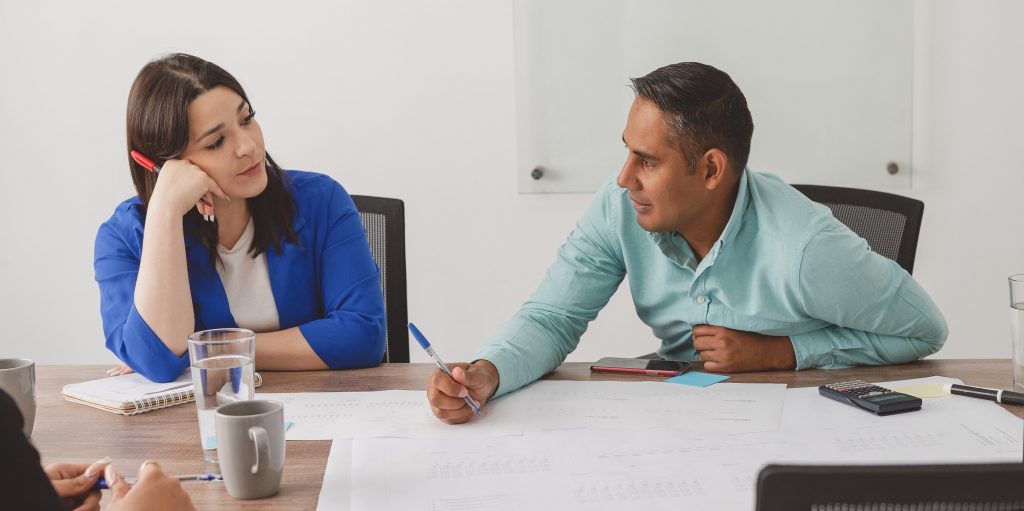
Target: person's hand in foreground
[[154, 491], [74, 481]]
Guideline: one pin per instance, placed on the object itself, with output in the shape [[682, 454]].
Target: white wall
[[415, 100], [968, 166]]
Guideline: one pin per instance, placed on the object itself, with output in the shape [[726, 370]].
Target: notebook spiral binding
[[159, 401]]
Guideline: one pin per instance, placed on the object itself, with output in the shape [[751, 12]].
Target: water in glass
[[219, 380]]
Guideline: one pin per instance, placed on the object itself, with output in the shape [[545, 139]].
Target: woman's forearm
[[286, 350], [162, 294]]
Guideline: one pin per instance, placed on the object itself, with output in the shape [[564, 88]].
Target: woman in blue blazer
[[221, 236]]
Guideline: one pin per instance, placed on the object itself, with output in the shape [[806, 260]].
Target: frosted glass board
[[828, 83]]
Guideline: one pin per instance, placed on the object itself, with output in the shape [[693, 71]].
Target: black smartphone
[[640, 366]]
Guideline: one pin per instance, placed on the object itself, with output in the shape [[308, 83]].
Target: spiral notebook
[[131, 394]]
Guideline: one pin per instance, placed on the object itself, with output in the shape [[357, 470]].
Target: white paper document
[[611, 470], [805, 409], [387, 413], [546, 406], [539, 472], [614, 445], [336, 490], [725, 408], [946, 430]]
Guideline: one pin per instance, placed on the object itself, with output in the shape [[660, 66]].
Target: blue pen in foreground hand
[[437, 360], [102, 483]]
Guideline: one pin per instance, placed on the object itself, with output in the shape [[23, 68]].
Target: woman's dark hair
[[158, 128], [703, 108]]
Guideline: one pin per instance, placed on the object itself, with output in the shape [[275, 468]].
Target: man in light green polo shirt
[[726, 265]]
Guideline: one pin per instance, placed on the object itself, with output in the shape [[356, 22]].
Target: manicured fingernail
[[110, 475], [95, 468], [463, 393], [213, 218], [111, 371]]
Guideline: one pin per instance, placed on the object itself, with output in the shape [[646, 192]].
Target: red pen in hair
[[152, 167], [145, 162]]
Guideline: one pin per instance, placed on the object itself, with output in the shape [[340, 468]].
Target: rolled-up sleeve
[[353, 330], [878, 313], [127, 334], [587, 271]]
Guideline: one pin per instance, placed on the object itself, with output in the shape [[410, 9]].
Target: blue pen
[[102, 483], [437, 360]]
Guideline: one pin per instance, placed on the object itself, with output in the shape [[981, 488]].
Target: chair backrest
[[969, 487], [889, 223], [384, 220]]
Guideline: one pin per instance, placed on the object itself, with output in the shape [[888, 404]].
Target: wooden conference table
[[66, 432]]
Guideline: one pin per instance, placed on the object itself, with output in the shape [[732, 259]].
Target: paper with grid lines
[[386, 413], [543, 406], [654, 468]]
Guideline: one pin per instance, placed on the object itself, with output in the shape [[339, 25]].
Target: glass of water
[[1017, 329], [222, 372]]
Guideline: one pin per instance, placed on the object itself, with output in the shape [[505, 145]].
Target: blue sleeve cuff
[[347, 340], [144, 352]]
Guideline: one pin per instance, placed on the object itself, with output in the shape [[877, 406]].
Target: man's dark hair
[[704, 109]]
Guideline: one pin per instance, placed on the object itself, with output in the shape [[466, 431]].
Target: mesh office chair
[[970, 487], [889, 223], [384, 220]]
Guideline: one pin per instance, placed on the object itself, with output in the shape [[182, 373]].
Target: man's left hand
[[724, 350]]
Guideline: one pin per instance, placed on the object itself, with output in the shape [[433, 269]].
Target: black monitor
[[967, 487]]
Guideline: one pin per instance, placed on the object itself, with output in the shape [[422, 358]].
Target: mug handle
[[259, 436]]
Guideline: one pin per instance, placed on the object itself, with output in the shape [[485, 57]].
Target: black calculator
[[873, 398]]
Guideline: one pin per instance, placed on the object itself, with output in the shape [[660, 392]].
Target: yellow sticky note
[[923, 391]]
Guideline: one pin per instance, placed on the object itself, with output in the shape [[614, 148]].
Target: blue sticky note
[[697, 379]]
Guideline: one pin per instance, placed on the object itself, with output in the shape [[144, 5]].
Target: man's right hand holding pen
[[478, 380]]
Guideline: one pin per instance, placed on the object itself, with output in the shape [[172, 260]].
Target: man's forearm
[[836, 347], [783, 356], [494, 374]]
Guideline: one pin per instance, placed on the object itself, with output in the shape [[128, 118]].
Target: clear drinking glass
[[1017, 329], [222, 372]]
